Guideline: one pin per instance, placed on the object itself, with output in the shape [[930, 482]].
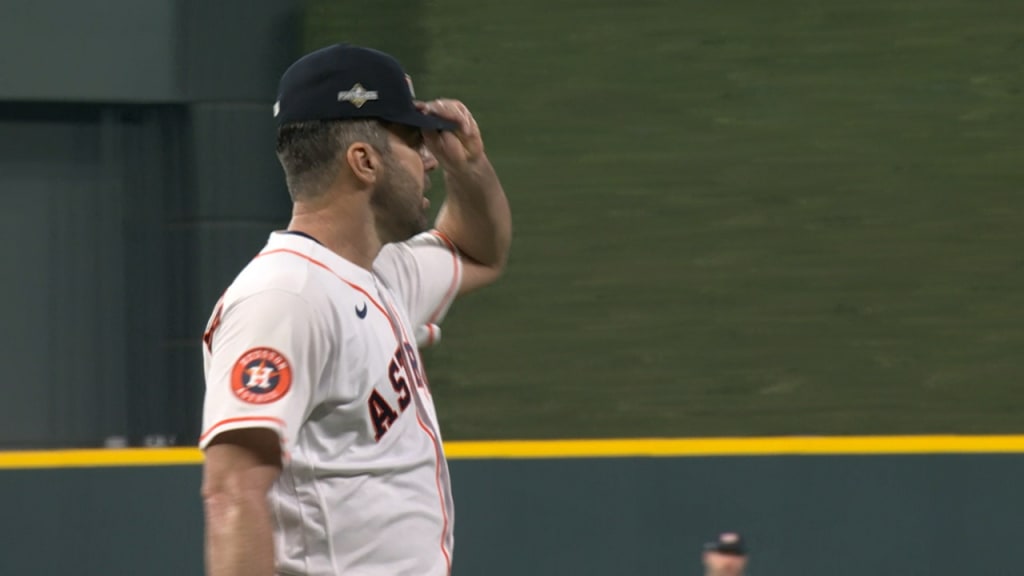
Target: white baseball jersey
[[322, 351]]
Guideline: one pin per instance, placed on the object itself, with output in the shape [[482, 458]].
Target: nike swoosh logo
[[361, 312]]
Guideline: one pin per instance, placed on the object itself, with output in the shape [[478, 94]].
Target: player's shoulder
[[430, 238], [290, 265], [282, 267], [270, 274], [395, 251]]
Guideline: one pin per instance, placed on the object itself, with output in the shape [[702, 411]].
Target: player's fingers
[[432, 140], [453, 111], [451, 150], [471, 124], [460, 115], [441, 144], [439, 108], [469, 131], [465, 143]]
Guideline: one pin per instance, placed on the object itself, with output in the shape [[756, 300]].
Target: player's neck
[[345, 228]]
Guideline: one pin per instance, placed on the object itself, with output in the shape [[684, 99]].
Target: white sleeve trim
[[241, 423]]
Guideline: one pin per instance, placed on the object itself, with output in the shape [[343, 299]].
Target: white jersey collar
[[319, 254]]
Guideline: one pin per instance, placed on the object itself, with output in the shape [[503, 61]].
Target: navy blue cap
[[347, 82], [728, 543]]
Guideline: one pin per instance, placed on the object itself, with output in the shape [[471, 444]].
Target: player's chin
[[417, 225], [424, 223]]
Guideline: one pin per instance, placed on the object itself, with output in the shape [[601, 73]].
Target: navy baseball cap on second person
[[728, 543], [348, 82]]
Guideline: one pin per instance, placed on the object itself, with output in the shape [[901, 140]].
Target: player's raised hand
[[459, 150]]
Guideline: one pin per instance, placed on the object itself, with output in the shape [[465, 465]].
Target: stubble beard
[[398, 204]]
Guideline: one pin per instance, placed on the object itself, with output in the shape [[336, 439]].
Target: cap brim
[[726, 551], [424, 121]]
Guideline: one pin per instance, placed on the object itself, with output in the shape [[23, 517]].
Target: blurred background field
[[733, 218]]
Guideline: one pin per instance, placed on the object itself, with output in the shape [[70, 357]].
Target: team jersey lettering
[[214, 324], [399, 384], [381, 414], [414, 366]]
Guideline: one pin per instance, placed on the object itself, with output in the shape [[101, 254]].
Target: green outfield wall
[[733, 217]]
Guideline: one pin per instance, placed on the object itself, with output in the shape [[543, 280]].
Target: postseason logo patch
[[358, 95], [261, 375]]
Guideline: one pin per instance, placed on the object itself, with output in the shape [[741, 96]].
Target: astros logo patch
[[261, 375]]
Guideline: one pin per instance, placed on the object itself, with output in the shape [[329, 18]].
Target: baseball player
[[726, 555], [323, 454]]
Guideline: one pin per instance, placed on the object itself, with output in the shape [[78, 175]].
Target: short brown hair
[[310, 152]]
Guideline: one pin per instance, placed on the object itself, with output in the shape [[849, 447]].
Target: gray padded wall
[[68, 51], [60, 193], [137, 176]]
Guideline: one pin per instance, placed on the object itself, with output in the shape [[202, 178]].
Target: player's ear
[[364, 162]]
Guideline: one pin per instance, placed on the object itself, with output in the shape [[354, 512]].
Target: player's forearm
[[476, 216], [239, 539]]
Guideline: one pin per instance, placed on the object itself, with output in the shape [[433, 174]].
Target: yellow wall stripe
[[611, 448], [100, 458], [767, 446]]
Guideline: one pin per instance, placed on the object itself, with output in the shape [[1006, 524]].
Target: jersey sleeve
[[425, 272], [264, 359]]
